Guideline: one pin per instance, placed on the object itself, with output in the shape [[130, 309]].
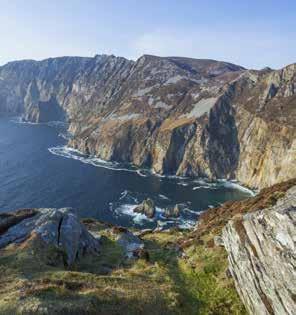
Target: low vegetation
[[167, 281], [180, 272]]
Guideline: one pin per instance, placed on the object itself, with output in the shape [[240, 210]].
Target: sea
[[38, 170]]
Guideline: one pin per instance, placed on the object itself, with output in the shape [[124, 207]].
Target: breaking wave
[[74, 154], [71, 153], [20, 120], [159, 220]]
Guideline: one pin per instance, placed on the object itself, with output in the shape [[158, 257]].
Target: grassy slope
[[34, 281]]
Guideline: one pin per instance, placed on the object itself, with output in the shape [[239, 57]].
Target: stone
[[60, 228], [147, 207], [261, 250], [130, 243], [173, 212]]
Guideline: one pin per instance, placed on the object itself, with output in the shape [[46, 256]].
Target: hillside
[[51, 263]]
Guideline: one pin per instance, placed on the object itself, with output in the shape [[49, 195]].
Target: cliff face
[[258, 234], [175, 115], [265, 116], [261, 254]]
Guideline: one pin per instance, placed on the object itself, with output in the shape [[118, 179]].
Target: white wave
[[75, 154], [187, 224], [237, 186], [20, 120], [123, 194], [163, 197], [158, 211], [207, 187], [200, 181], [192, 211], [140, 173], [168, 176], [70, 153], [164, 223], [65, 136], [141, 219], [183, 184], [128, 209]]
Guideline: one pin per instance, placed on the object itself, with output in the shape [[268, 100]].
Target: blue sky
[[252, 33]]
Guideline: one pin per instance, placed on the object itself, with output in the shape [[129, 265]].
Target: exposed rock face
[[175, 115], [56, 227], [147, 207], [7, 220], [262, 257]]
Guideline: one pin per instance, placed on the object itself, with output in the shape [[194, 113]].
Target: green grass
[[199, 280], [35, 281]]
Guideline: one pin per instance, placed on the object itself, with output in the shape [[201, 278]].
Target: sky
[[251, 33]]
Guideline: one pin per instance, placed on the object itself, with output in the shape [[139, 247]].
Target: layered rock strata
[[175, 115], [261, 250]]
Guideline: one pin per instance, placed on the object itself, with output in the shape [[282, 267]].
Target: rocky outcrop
[[59, 228], [261, 250], [147, 207], [175, 115], [173, 212]]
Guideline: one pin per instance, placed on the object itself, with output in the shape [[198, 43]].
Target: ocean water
[[38, 170]]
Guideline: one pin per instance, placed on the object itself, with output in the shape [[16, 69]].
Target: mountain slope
[[176, 115]]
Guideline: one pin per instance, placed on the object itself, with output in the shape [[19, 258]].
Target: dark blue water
[[31, 176]]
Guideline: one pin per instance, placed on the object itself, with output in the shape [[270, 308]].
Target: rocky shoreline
[[182, 116]]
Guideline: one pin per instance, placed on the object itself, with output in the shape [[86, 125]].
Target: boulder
[[130, 243], [147, 207], [60, 228], [173, 212]]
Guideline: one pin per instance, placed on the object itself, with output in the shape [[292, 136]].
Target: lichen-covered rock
[[261, 250], [55, 227], [147, 207]]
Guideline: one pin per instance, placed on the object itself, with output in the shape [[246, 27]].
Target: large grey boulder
[[57, 227], [261, 250]]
